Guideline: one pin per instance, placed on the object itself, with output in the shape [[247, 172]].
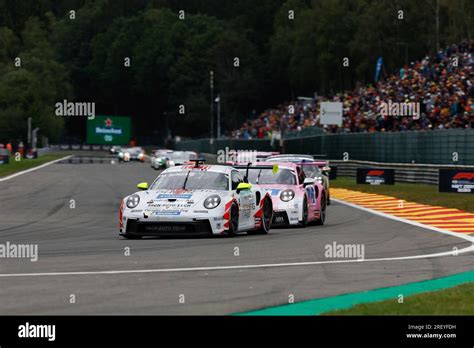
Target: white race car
[[131, 154], [160, 159], [196, 200]]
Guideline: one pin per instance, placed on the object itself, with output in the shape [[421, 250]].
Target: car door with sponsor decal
[[246, 200], [310, 190]]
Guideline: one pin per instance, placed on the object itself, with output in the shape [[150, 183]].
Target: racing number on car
[[311, 193]]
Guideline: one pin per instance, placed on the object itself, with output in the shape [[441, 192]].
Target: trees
[[170, 58], [31, 88]]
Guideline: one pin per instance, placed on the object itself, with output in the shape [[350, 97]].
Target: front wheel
[[267, 216], [304, 221], [322, 212], [233, 220]]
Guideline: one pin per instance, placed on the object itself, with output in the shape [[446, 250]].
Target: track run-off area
[[70, 211]]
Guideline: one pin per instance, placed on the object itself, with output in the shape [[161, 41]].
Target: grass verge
[[14, 166], [418, 193], [458, 300]]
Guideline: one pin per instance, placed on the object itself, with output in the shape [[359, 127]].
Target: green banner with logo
[[109, 130]]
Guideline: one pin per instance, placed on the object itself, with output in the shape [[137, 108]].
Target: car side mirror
[[309, 181], [243, 186], [142, 186]]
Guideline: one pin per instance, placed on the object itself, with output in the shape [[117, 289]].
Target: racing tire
[[267, 216], [322, 212], [233, 220], [304, 222]]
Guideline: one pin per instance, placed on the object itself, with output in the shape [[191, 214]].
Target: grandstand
[[442, 85]]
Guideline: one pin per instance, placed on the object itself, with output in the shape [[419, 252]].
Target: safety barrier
[[411, 173], [453, 146]]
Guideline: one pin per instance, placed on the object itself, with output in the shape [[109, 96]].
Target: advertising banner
[[108, 130], [375, 176], [452, 180]]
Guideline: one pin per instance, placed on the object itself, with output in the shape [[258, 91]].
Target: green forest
[[146, 58]]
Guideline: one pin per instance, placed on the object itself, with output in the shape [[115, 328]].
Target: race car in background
[[322, 164], [263, 155], [160, 159], [177, 158], [311, 168], [240, 157], [196, 199], [115, 150], [131, 154], [297, 199]]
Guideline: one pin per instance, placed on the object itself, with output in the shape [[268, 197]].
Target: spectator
[[443, 87]]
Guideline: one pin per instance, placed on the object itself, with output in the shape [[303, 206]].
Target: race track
[[36, 209]]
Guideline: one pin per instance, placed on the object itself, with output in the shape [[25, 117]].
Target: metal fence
[[455, 146]]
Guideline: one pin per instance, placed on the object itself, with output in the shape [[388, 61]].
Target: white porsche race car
[[196, 200]]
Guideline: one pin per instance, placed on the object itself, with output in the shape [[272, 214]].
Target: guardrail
[[404, 172], [436, 146], [80, 147]]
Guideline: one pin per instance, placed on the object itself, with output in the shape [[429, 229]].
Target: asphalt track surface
[[35, 209]]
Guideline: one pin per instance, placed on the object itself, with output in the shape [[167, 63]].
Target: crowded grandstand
[[442, 85]]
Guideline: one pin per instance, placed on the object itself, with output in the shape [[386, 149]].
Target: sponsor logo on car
[[175, 196], [167, 212]]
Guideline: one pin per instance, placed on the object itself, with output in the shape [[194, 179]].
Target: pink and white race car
[[297, 199]]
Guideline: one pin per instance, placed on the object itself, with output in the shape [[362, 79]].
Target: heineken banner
[[108, 130]]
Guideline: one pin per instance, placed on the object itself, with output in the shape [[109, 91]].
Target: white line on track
[[33, 169], [218, 268], [274, 265], [410, 222]]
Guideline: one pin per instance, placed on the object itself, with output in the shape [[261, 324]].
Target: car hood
[[176, 199], [275, 189]]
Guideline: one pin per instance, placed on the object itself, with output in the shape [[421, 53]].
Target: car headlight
[[319, 179], [287, 195], [120, 154], [212, 201], [133, 201]]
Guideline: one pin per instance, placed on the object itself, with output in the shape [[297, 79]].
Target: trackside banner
[[452, 180], [375, 176], [108, 130]]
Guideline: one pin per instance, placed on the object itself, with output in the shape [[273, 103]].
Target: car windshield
[[266, 176], [133, 150], [191, 180], [310, 171], [179, 156]]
